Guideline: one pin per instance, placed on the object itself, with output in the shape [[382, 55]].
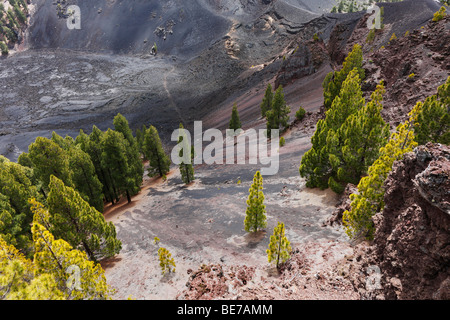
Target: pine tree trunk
[[128, 197]]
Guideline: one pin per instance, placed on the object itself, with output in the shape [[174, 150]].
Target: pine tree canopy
[[255, 218]]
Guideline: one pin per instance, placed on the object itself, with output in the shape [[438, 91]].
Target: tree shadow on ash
[[253, 239], [167, 277]]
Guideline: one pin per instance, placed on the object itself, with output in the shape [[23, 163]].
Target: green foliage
[[58, 259], [159, 162], [300, 114], [4, 48], [85, 178], [255, 218], [279, 246], [115, 158], [278, 115], [92, 146], [393, 37], [48, 159], [439, 15], [166, 262], [82, 226], [47, 276], [346, 142], [15, 212], [136, 168], [235, 122], [428, 121], [282, 141], [370, 36], [334, 80], [433, 121], [370, 197], [266, 104], [62, 158], [316, 37]]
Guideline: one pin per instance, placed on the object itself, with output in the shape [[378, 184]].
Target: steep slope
[[411, 244], [181, 28], [205, 53]]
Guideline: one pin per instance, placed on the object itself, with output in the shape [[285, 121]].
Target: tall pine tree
[[333, 81], [266, 104], [82, 226], [159, 162], [136, 168], [235, 122], [316, 164], [115, 159], [278, 115], [255, 218]]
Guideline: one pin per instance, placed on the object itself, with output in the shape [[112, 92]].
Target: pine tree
[[18, 278], [278, 115], [166, 262], [357, 143], [266, 104], [136, 168], [85, 178], [93, 147], [74, 274], [317, 166], [82, 171], [370, 197], [255, 214], [159, 162], [279, 246], [115, 159], [47, 276], [333, 81], [433, 122], [186, 168], [15, 212], [49, 159], [235, 123], [82, 226]]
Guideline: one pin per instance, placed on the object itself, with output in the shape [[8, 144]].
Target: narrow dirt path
[[169, 95]]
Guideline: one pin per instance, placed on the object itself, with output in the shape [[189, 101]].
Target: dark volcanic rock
[[413, 232]]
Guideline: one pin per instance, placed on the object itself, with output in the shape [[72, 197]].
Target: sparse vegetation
[[166, 262], [439, 15], [278, 115], [300, 114], [255, 218], [393, 37], [235, 122], [370, 36], [266, 104], [279, 247], [12, 22], [428, 122]]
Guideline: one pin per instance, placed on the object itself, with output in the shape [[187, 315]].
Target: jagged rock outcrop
[[412, 239]]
